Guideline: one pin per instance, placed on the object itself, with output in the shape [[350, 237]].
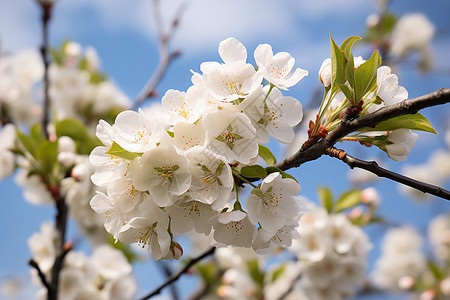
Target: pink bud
[[427, 295], [444, 285], [406, 283]]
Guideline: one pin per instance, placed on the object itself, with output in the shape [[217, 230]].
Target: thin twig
[[46, 16], [373, 167], [175, 277], [168, 272], [41, 275], [410, 106], [165, 56]]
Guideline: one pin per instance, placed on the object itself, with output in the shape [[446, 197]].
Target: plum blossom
[[277, 68], [231, 135], [135, 132], [233, 80], [274, 202], [233, 228], [148, 230], [387, 87], [412, 32], [277, 115], [164, 173], [401, 143], [212, 180]]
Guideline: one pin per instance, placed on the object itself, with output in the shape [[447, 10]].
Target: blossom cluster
[[333, 254], [171, 169], [330, 263], [104, 275], [404, 266], [386, 91]]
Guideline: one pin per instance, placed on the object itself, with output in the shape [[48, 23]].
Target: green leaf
[[348, 199], [118, 151], [71, 128], [255, 171], [347, 45], [337, 63], [29, 144], [347, 92], [46, 154], [278, 272], [256, 272], [326, 198], [350, 71], [37, 133], [366, 76], [208, 273], [283, 174], [267, 155], [414, 122]]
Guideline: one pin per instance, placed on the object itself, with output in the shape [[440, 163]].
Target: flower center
[[144, 236], [167, 172], [229, 137]]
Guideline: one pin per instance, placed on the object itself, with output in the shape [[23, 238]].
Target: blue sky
[[123, 32]]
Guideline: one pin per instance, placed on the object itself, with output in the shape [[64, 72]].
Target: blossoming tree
[[200, 165]]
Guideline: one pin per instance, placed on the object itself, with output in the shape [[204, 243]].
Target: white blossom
[[164, 173], [276, 69], [402, 142]]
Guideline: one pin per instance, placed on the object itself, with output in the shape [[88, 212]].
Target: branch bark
[[373, 167], [184, 270], [165, 56], [410, 106]]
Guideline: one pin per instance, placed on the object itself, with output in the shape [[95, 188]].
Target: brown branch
[[410, 106], [41, 275], [166, 270], [46, 16], [175, 277], [165, 56], [374, 168]]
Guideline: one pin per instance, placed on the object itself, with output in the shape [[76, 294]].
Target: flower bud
[[427, 295], [325, 72], [444, 285], [402, 142], [66, 144], [175, 252], [370, 196], [405, 283], [66, 159]]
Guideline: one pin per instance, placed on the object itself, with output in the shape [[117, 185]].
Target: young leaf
[[366, 76], [71, 128], [29, 144], [256, 272], [283, 174], [267, 155], [350, 71], [348, 199], [347, 92], [326, 198], [46, 154], [37, 134], [255, 171], [414, 122], [347, 45], [118, 151], [337, 64]]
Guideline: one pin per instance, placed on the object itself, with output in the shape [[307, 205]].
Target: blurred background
[[124, 35]]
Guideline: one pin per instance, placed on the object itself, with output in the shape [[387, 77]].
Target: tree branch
[[165, 57], [410, 106], [175, 277], [373, 167], [41, 275], [46, 16]]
